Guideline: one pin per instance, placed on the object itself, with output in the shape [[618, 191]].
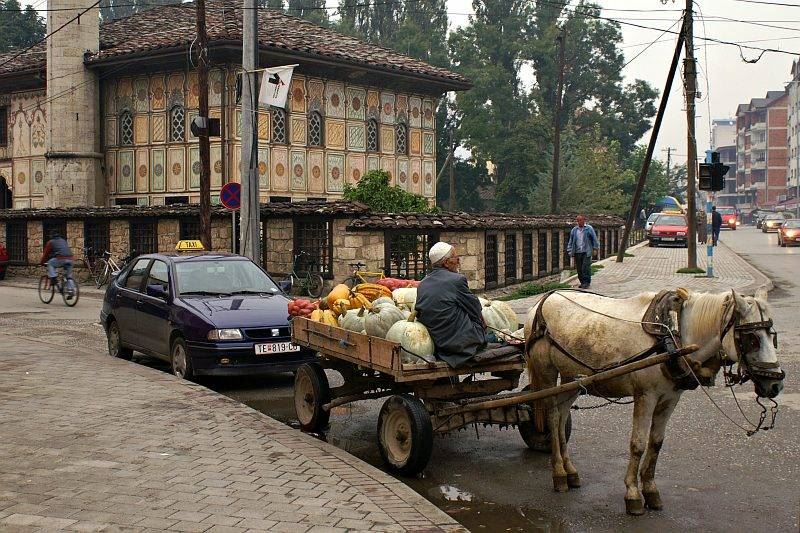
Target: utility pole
[[690, 87], [452, 202], [648, 157], [669, 159], [205, 149], [555, 193], [250, 215]]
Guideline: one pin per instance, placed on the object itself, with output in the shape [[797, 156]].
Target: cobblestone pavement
[[91, 443], [653, 269]]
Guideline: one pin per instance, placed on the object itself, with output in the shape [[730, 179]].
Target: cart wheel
[[311, 392], [540, 442], [405, 434]]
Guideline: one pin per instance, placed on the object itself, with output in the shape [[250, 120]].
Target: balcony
[[759, 164], [759, 145], [758, 126]]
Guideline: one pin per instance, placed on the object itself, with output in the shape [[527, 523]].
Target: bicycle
[[360, 276], [69, 289], [311, 281], [105, 266]]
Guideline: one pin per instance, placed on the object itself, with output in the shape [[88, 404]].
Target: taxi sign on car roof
[[189, 246]]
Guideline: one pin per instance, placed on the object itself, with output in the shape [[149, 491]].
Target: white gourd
[[405, 297], [412, 337], [383, 300], [509, 313], [380, 318], [483, 301], [353, 320], [495, 318]]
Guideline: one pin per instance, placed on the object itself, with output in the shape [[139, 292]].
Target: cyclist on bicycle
[[57, 254]]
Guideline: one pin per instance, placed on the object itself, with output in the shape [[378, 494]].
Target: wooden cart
[[425, 398]]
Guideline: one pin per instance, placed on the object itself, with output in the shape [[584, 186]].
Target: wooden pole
[[690, 85], [637, 194], [249, 220], [452, 174], [555, 193], [527, 397], [205, 149]]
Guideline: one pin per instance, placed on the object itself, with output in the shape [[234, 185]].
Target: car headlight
[[681, 234], [229, 334]]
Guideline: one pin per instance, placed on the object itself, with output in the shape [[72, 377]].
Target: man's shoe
[[583, 286]]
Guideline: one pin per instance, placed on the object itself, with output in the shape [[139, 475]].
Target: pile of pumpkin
[[373, 309]]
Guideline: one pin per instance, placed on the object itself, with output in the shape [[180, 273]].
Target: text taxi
[[205, 313]]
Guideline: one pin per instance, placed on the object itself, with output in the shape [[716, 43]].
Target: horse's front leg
[[642, 415], [663, 410]]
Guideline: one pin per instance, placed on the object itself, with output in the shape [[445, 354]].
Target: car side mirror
[[157, 291], [285, 285]]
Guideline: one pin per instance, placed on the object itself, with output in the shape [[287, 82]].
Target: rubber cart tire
[[405, 435], [311, 392], [540, 442]]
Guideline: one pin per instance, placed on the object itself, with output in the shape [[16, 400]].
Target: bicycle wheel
[[71, 296], [352, 281], [46, 290], [314, 284], [100, 273]]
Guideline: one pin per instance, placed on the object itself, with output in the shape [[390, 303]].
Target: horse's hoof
[[653, 500], [574, 480], [634, 507], [560, 483]]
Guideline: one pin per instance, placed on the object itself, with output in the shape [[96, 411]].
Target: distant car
[[774, 221], [649, 224], [205, 313], [789, 233], [669, 229], [730, 217], [3, 261]]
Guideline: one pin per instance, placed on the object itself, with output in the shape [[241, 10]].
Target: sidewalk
[[653, 269], [91, 443]]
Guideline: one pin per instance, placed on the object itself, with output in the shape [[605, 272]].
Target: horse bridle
[[746, 341]]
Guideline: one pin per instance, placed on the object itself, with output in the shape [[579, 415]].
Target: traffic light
[[711, 176]]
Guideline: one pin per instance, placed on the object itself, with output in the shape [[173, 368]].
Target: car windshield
[[671, 221], [222, 277], [792, 224], [774, 216], [653, 217], [726, 211]]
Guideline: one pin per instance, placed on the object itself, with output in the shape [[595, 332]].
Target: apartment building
[[723, 140]]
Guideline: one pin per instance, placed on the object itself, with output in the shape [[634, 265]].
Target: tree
[[592, 180], [470, 176], [19, 28], [656, 185], [373, 189], [115, 9], [310, 10]]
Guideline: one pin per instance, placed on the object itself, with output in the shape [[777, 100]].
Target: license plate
[[667, 238], [276, 347]]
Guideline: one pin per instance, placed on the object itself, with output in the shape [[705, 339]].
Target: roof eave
[[441, 83]]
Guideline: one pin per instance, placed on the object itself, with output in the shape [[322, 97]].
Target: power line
[[643, 50]]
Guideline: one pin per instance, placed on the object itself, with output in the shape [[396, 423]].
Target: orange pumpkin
[[339, 292]]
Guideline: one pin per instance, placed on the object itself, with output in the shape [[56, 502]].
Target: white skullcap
[[439, 252]]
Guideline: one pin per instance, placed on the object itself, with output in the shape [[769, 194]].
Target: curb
[[762, 281]]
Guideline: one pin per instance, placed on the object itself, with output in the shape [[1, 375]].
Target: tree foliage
[[310, 10], [19, 28], [373, 190]]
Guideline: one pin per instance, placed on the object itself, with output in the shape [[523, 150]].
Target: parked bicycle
[[67, 287], [308, 279], [101, 269], [360, 275]]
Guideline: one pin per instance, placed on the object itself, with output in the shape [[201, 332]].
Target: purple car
[[207, 314]]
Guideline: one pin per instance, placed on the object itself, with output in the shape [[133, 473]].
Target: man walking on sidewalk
[[582, 242], [716, 225]]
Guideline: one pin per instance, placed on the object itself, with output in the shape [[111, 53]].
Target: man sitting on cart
[[449, 310]]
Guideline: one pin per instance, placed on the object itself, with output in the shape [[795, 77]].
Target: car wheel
[[180, 360], [115, 346], [2, 274]]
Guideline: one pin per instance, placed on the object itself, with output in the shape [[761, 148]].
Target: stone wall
[[168, 234], [279, 245], [470, 247]]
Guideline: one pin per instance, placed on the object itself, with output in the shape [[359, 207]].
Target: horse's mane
[[706, 310]]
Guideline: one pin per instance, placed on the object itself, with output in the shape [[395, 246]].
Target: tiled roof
[[467, 221], [338, 209], [34, 58], [173, 26]]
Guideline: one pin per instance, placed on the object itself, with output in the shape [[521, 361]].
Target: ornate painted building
[[100, 116]]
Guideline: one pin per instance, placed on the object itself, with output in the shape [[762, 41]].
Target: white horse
[[598, 331]]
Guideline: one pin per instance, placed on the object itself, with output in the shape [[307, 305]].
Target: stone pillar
[[73, 177]]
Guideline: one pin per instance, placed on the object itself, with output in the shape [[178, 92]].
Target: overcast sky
[[730, 80]]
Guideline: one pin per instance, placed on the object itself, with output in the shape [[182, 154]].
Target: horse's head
[[749, 338]]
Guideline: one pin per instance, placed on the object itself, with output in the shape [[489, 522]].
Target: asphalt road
[[711, 476]]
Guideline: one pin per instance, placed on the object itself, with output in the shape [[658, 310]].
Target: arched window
[[401, 139], [315, 137], [372, 136], [278, 117], [177, 124], [126, 128]]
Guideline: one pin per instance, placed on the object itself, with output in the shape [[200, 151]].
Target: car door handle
[[139, 303]]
